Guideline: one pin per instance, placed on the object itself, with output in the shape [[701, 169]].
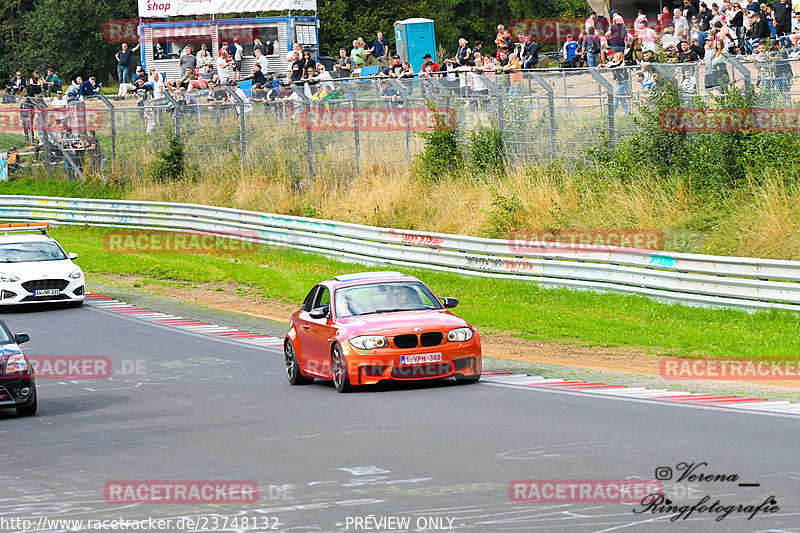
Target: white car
[[35, 268]]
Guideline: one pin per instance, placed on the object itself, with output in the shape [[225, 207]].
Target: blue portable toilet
[[413, 39]]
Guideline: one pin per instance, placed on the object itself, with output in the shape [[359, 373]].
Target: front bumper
[[24, 292], [367, 367], [11, 392]]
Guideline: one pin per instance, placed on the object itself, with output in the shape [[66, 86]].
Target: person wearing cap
[[427, 60], [59, 100], [616, 18], [477, 48], [569, 50]]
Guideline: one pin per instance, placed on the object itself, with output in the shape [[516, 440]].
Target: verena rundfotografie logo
[[779, 120], [182, 492], [189, 242], [378, 119], [57, 119], [582, 490], [584, 240], [677, 368]]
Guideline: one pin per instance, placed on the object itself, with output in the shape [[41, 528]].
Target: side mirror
[[21, 338], [449, 303], [320, 312], [72, 255]]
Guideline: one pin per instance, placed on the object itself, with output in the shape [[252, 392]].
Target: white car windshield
[[23, 252], [4, 339], [384, 298]]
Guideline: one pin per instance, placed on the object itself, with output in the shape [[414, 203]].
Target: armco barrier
[[745, 283]]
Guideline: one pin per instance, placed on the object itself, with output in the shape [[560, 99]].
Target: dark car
[[17, 382]]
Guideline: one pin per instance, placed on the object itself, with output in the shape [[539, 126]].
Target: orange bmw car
[[359, 329]]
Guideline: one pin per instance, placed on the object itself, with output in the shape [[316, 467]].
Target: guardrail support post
[[611, 101], [551, 110]]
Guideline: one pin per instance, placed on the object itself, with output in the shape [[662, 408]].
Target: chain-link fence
[[351, 125]]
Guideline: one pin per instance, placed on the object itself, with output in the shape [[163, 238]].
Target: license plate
[[421, 358], [46, 292]]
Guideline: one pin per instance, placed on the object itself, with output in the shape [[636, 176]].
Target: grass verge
[[519, 308]]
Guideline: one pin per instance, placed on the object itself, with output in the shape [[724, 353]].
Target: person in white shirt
[[224, 64], [248, 107], [290, 58], [640, 19], [204, 58], [680, 23], [590, 22], [323, 77], [261, 60], [647, 36], [59, 100], [158, 85]]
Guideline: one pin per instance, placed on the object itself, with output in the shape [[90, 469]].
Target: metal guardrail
[[745, 283]]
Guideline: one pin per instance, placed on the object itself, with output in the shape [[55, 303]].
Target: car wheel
[[340, 378], [292, 367], [29, 410], [468, 379]]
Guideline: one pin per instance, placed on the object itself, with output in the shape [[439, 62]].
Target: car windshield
[[4, 338], [21, 252], [384, 298]]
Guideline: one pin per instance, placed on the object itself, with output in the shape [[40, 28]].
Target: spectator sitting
[[75, 87], [530, 52], [51, 83], [390, 95], [17, 85], [323, 77], [90, 88], [568, 53], [320, 93], [257, 76], [395, 67], [59, 100], [258, 95]]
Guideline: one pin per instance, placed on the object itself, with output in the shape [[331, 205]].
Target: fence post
[[176, 115], [611, 100], [45, 136], [113, 111], [551, 110], [744, 70], [309, 140], [403, 92], [240, 103]]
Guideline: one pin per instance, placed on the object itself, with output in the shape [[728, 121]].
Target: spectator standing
[[590, 22], [623, 89], [261, 60], [308, 65], [463, 53], [681, 24], [344, 67], [123, 58], [379, 49], [704, 17], [591, 47], [224, 64], [238, 53], [641, 18], [782, 17], [737, 25], [52, 83], [257, 46], [358, 55], [760, 30], [689, 10], [616, 33], [188, 61], [296, 73], [665, 19]]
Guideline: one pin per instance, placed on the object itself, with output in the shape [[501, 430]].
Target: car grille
[[405, 341], [412, 341], [431, 370], [44, 284], [32, 298], [431, 339]]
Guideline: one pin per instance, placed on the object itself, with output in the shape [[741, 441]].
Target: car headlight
[[459, 335], [16, 363], [8, 277], [369, 342], [77, 274]]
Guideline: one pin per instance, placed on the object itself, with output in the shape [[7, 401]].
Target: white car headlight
[[77, 274], [8, 277], [16, 363], [459, 335], [369, 342]]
